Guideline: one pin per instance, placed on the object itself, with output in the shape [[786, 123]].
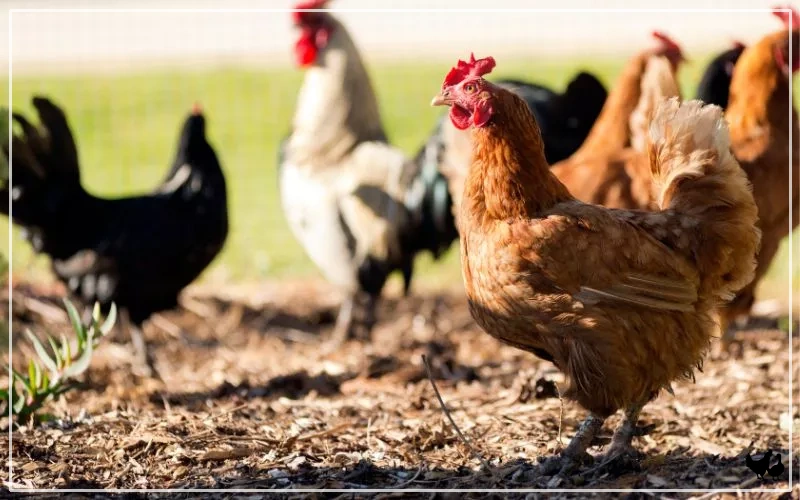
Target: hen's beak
[[442, 99]]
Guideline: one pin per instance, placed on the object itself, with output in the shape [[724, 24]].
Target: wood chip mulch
[[250, 399]]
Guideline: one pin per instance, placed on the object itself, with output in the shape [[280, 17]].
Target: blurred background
[[127, 80]]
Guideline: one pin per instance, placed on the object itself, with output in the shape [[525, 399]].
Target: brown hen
[[618, 175], [610, 132], [621, 301], [758, 117]]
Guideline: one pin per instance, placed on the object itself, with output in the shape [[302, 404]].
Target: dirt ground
[[250, 400]]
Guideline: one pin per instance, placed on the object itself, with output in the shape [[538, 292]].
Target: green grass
[[127, 124]]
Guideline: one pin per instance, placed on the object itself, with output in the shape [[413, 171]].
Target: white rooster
[[360, 208]]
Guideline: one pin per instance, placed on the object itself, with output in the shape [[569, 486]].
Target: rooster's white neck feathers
[[336, 108]]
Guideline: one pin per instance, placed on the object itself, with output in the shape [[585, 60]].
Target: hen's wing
[[599, 255]]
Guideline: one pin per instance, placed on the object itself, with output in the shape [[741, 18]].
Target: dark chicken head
[[732, 55], [467, 93], [315, 31], [192, 144], [791, 19]]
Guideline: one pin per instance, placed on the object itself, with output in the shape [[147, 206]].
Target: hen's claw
[[575, 453], [621, 455], [565, 465], [621, 459]]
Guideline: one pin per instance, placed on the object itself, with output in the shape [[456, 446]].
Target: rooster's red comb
[[464, 69], [306, 4], [786, 16], [668, 42]]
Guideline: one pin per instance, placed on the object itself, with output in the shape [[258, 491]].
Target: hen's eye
[[469, 88]]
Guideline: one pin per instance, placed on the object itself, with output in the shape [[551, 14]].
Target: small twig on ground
[[321, 434], [413, 478], [560, 414], [369, 432], [197, 308], [472, 450], [298, 336], [45, 310], [167, 326], [229, 411]]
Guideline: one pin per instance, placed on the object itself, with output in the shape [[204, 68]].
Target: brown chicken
[[659, 82], [760, 137], [621, 178], [759, 132], [621, 301], [610, 132]]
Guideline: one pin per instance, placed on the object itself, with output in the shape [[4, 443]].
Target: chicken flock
[[613, 232]]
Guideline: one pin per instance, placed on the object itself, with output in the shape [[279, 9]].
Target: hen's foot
[[575, 453], [565, 465], [621, 456], [621, 459]]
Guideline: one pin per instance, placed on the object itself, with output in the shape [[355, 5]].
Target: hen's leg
[[369, 319], [142, 358], [621, 453], [145, 365], [343, 328], [575, 453], [733, 318]]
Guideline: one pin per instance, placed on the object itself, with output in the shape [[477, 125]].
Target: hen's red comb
[[196, 108], [475, 67], [786, 16], [738, 44], [667, 41], [307, 4]]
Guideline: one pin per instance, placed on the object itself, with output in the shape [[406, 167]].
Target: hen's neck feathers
[[610, 131], [759, 100], [509, 176], [337, 107]]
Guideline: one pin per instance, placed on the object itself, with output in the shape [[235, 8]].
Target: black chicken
[[714, 86], [760, 466], [566, 118], [777, 470], [138, 252]]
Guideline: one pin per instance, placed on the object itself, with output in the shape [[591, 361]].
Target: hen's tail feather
[[697, 178], [658, 83]]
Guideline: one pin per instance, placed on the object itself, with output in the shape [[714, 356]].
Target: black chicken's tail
[[430, 205], [44, 164]]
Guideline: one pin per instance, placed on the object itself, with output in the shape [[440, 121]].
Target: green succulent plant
[[52, 374]]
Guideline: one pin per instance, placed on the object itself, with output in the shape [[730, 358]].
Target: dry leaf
[[224, 454]]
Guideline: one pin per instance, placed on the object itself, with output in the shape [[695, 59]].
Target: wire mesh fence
[[127, 80]]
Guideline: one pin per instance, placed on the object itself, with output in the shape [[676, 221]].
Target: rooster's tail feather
[[697, 177], [430, 202], [58, 151], [44, 159]]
